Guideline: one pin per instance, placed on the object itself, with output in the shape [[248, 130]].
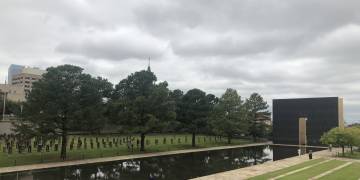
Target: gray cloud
[[281, 49], [115, 46]]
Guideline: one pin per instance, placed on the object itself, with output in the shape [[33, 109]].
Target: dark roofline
[[307, 98]]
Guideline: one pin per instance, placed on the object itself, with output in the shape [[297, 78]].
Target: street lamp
[[4, 106], [21, 110]]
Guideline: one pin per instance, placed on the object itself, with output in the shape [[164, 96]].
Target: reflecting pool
[[179, 166]]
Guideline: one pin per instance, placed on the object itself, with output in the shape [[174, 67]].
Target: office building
[[14, 69], [20, 81], [26, 77]]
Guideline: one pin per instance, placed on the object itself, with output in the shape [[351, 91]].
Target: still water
[[174, 167]]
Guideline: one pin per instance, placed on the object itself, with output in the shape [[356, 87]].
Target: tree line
[[66, 100], [342, 137]]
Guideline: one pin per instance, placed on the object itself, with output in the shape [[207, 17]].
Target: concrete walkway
[[116, 158], [347, 159], [247, 172]]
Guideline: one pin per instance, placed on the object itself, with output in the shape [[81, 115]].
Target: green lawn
[[288, 169], [76, 154], [354, 155], [314, 171], [351, 172]]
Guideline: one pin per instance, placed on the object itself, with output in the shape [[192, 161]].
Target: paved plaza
[[252, 171]]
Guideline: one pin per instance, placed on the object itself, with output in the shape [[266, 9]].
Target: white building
[[21, 80], [26, 77]]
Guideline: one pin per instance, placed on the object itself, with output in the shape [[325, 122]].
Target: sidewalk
[[116, 158], [247, 172]]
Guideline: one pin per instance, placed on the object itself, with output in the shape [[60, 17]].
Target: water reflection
[[181, 166]]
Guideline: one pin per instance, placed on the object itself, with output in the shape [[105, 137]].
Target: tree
[[176, 96], [140, 105], [353, 136], [11, 107], [195, 108], [256, 107], [94, 94], [60, 100], [228, 115], [356, 130], [338, 137]]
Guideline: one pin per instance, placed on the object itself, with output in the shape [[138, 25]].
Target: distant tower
[[13, 70], [149, 68]]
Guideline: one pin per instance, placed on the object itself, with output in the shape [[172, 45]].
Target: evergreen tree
[[255, 108], [228, 117], [140, 105], [60, 101], [195, 109]]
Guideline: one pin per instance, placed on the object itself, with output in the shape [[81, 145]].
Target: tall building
[[26, 77], [20, 80], [14, 69], [303, 121]]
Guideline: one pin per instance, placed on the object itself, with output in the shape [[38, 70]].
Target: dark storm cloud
[[281, 49], [244, 27]]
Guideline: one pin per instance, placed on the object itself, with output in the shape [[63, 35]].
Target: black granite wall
[[321, 114]]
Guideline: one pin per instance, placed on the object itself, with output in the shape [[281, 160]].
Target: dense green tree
[[61, 100], [356, 134], [94, 94], [228, 117], [255, 107], [354, 137], [195, 108], [11, 107], [338, 137], [176, 96], [140, 105]]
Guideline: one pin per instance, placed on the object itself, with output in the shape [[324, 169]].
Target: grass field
[[316, 167], [285, 170], [179, 141], [351, 172], [354, 155], [314, 171]]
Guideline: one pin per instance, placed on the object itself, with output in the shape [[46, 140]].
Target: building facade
[[303, 121], [20, 80], [14, 69], [26, 77], [14, 93]]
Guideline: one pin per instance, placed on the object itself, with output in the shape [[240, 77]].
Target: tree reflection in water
[[180, 166], [98, 175]]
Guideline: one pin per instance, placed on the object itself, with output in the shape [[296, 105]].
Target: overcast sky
[[280, 49]]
